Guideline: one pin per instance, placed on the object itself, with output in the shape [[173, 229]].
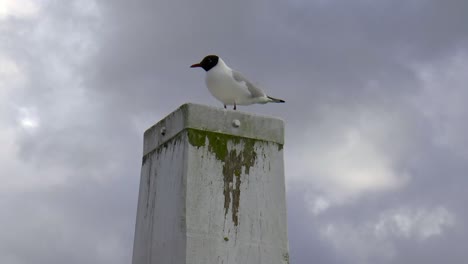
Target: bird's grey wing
[[254, 90]]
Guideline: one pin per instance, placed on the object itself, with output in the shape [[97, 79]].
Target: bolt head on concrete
[[236, 123]]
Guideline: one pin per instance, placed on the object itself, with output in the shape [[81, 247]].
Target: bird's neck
[[221, 65]]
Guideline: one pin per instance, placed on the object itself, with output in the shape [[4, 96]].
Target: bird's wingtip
[[276, 100]]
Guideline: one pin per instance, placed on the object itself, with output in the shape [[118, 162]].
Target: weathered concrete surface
[[211, 191]]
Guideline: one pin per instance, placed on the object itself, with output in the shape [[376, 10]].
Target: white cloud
[[318, 204], [351, 152], [18, 9], [41, 90], [28, 118], [357, 243], [378, 237], [421, 224], [442, 100], [11, 76], [87, 8]]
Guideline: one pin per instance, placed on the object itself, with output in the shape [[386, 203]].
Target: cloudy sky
[[376, 118]]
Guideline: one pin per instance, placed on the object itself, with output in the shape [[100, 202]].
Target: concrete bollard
[[212, 190]]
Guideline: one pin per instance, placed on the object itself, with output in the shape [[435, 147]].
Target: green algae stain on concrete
[[217, 142], [233, 162], [172, 142], [286, 258], [280, 147]]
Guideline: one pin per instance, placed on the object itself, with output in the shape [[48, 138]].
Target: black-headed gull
[[230, 86]]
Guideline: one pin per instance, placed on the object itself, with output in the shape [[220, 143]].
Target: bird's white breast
[[223, 87]]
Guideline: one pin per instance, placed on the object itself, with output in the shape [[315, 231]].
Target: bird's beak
[[196, 65]]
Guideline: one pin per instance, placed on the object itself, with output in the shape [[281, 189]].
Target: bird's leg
[[224, 106], [235, 107]]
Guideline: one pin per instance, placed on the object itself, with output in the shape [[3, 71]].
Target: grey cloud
[[98, 78]]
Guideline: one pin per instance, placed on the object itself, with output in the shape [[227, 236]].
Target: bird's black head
[[207, 63]]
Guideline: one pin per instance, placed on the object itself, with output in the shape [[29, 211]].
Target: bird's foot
[[235, 106]]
